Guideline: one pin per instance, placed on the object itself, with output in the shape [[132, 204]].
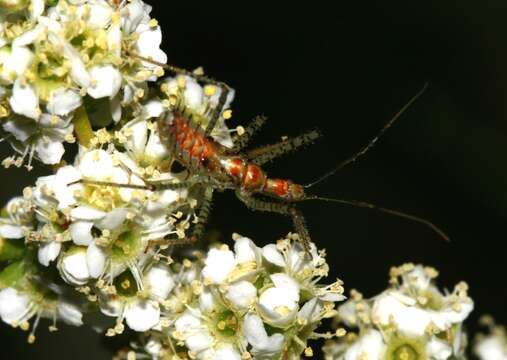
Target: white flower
[[395, 308], [63, 101], [48, 252], [223, 266], [14, 306], [17, 308], [44, 137], [413, 318], [105, 80], [160, 280], [196, 330], [20, 219], [491, 346], [369, 346], [73, 266], [142, 315], [290, 255], [279, 304], [242, 294], [24, 100], [54, 55], [14, 62], [263, 346]]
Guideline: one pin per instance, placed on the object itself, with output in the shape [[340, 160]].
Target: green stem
[[82, 127]]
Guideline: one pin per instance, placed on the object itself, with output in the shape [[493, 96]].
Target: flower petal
[[49, 150], [13, 305], [218, 264], [257, 336], [69, 313], [11, 231], [95, 260], [24, 100], [160, 281], [49, 252], [105, 81], [73, 267], [272, 255], [63, 101], [242, 294], [142, 315]]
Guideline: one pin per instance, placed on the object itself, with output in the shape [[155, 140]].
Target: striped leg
[[217, 111], [267, 153], [198, 230], [240, 142], [279, 208]]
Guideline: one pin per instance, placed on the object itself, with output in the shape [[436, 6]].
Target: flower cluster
[[96, 225], [61, 58], [411, 320], [249, 302], [491, 346]]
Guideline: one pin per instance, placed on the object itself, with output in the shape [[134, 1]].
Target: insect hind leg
[[198, 230], [284, 209], [267, 153]]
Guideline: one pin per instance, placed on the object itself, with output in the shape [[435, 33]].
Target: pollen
[[227, 114], [308, 352], [240, 130], [210, 90], [181, 82], [341, 332]]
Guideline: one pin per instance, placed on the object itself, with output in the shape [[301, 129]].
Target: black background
[[346, 69]]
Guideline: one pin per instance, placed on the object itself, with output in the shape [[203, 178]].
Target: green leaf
[[12, 274], [11, 249]]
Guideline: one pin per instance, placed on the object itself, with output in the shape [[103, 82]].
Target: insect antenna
[[371, 143], [366, 205]]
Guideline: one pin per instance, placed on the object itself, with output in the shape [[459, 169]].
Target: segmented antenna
[[365, 205], [372, 142]]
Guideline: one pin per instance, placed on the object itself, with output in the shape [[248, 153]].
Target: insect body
[[216, 167], [208, 157], [219, 167]]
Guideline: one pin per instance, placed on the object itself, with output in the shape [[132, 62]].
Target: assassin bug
[[216, 167]]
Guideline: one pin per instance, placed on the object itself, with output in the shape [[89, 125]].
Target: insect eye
[[177, 167]]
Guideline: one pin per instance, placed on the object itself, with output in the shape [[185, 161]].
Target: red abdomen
[[186, 140]]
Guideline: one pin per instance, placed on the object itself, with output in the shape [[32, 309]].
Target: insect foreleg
[[284, 209], [175, 69], [267, 153], [240, 142]]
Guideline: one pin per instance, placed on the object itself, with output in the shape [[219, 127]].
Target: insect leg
[[203, 215], [284, 209], [240, 142], [217, 111], [175, 69], [202, 218], [152, 185], [267, 153]]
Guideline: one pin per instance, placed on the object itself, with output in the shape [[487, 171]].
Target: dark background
[[347, 69]]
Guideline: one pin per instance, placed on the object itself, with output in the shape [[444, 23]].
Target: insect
[[216, 167]]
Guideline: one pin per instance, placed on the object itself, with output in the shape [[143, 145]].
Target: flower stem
[[82, 126]]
